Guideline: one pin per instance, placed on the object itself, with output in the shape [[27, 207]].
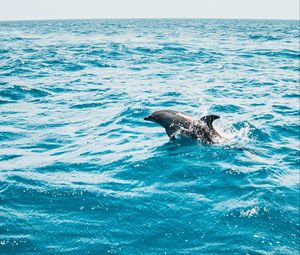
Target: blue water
[[83, 173]]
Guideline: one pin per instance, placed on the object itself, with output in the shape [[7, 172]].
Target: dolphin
[[180, 123]]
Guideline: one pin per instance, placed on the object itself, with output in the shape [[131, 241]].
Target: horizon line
[[154, 18]]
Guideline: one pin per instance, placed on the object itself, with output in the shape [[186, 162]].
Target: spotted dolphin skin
[[180, 123]]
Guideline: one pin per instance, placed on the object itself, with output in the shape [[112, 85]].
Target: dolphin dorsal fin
[[209, 119]]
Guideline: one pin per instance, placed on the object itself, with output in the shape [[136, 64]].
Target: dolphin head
[[149, 118], [154, 117], [163, 118]]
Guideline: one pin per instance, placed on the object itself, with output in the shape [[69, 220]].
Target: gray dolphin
[[180, 123]]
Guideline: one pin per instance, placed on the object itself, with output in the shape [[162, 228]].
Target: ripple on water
[[16, 92]]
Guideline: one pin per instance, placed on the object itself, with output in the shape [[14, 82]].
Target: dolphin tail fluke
[[209, 119]]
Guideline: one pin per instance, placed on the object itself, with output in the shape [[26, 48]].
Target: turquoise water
[[83, 173]]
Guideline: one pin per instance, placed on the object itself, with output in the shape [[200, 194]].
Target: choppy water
[[83, 173]]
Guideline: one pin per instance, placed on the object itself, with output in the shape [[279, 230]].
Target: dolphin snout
[[148, 118]]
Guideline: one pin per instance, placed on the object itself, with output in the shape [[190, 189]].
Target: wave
[[17, 92]]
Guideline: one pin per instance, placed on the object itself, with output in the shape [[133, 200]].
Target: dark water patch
[[4, 51], [87, 105], [285, 109], [292, 130], [20, 92], [110, 97], [147, 50], [142, 63], [71, 67], [17, 39], [227, 108], [91, 153], [96, 63], [2, 101], [132, 112], [41, 146], [17, 71], [65, 167], [9, 157], [49, 125], [285, 150], [95, 52], [264, 38], [29, 50], [201, 55], [62, 65], [63, 88], [291, 68], [107, 123], [264, 117], [12, 245], [289, 54], [164, 75], [292, 163], [10, 136], [171, 94], [218, 91], [245, 55], [174, 48], [258, 104], [22, 181], [137, 68], [292, 80], [292, 95]]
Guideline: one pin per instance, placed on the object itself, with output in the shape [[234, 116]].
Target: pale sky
[[99, 9]]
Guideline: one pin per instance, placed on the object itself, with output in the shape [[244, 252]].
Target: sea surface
[[81, 172]]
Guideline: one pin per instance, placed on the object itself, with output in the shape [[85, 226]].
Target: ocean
[[82, 172]]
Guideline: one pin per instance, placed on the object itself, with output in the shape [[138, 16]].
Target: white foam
[[232, 135]]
